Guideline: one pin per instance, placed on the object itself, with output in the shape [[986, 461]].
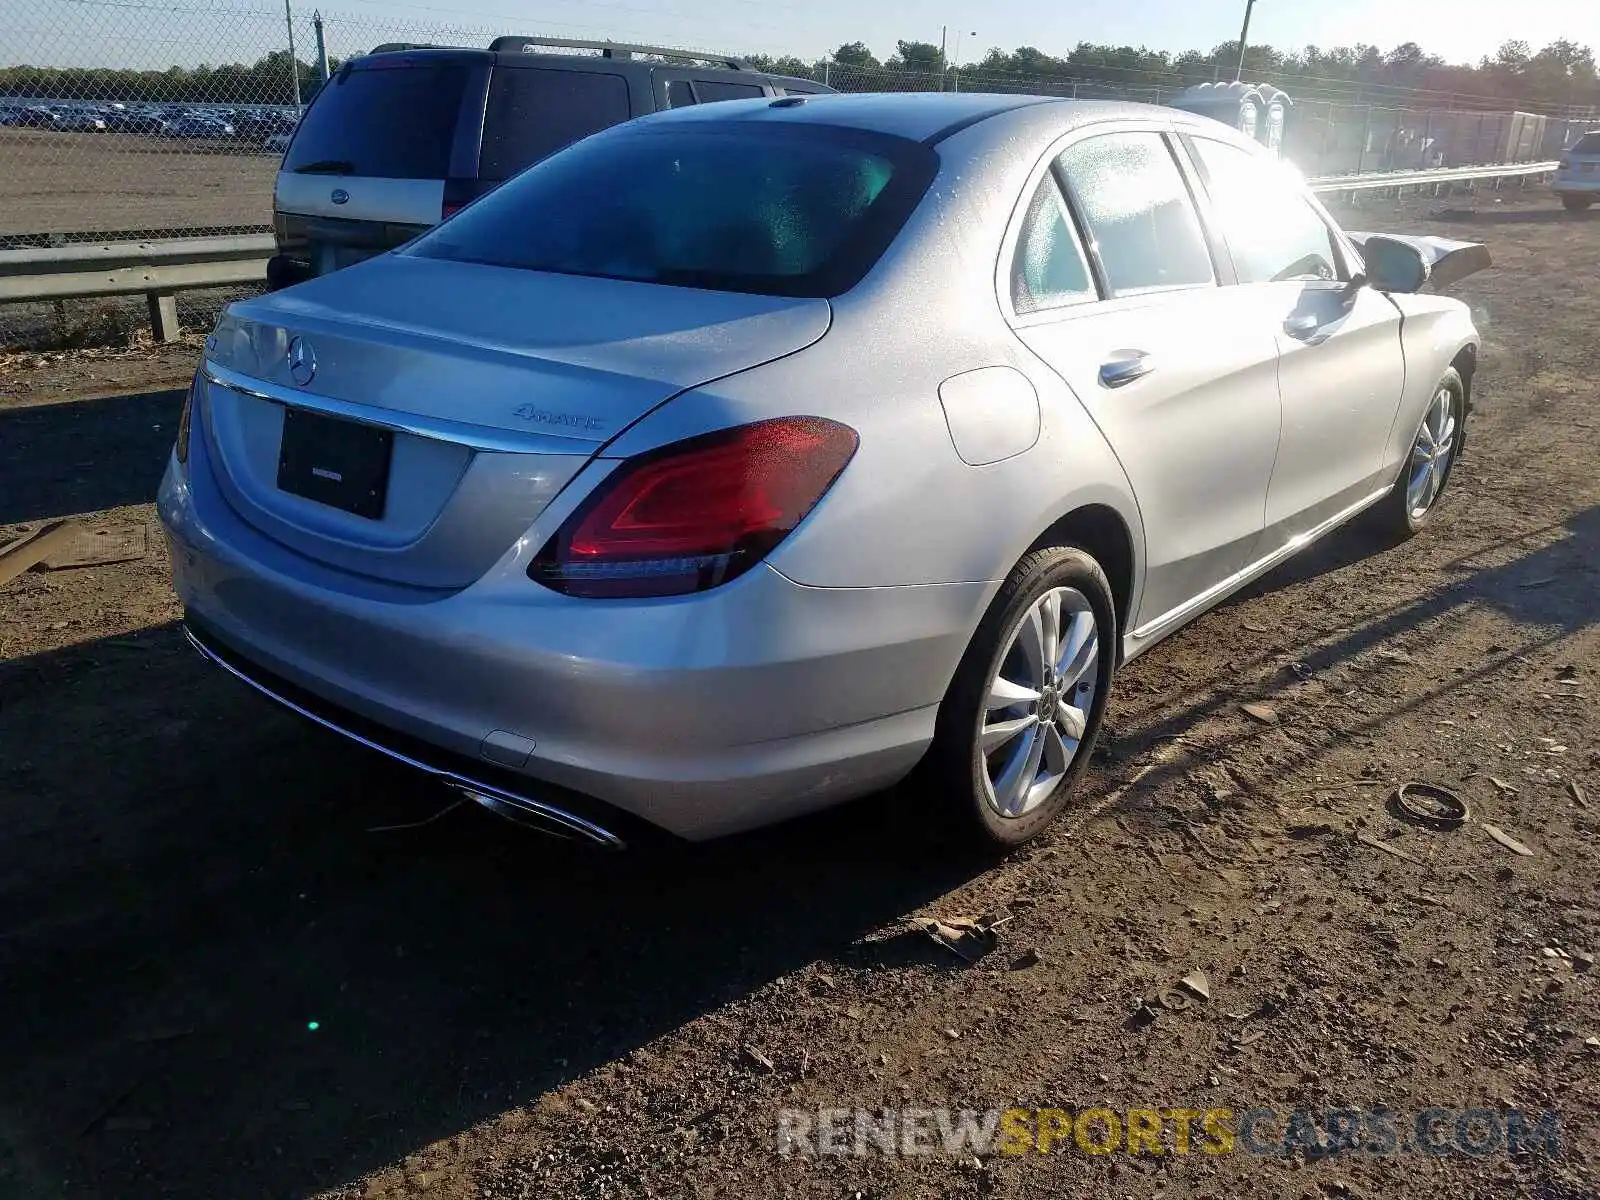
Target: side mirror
[[1393, 265]]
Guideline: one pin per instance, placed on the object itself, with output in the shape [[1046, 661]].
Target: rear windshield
[[389, 120], [1589, 143], [778, 210]]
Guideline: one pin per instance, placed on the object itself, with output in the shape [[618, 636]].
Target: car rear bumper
[[701, 715]]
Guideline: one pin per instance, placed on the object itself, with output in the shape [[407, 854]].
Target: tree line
[[1560, 76]]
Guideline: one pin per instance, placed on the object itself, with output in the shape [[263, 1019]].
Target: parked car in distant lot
[[736, 460], [1578, 177], [74, 120], [402, 138]]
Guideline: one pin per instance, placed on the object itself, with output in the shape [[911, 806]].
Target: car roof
[[917, 116]]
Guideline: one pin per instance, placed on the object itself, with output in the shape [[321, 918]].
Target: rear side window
[[1589, 143], [532, 113], [710, 90], [785, 211], [1139, 213], [388, 119], [678, 93], [1048, 270]]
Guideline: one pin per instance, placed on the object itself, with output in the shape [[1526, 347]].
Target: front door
[[1341, 369]]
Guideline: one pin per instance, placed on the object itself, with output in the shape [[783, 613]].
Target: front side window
[[785, 211], [532, 113], [1138, 210], [1048, 269], [1273, 232]]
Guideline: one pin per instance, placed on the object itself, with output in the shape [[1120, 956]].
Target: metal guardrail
[[159, 269], [1374, 180], [156, 269]]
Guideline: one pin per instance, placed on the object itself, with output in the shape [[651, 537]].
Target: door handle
[[1127, 366]]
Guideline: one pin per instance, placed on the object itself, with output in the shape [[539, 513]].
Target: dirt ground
[[221, 979], [70, 182]]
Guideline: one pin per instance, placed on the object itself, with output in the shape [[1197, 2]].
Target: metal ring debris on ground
[[1430, 805]]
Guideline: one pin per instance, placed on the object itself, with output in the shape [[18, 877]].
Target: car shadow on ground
[[218, 969], [1550, 590], [73, 456], [1555, 215]]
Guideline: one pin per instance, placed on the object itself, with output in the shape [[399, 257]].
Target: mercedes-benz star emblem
[[339, 196], [302, 363]]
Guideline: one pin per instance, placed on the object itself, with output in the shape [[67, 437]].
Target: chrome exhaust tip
[[542, 818]]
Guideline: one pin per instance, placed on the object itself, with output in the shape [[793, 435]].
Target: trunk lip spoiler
[[459, 433]]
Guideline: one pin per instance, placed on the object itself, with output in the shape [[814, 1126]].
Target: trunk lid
[[497, 385]]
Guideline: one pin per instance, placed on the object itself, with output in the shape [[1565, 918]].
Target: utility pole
[[294, 63], [944, 68], [1244, 39], [322, 46]]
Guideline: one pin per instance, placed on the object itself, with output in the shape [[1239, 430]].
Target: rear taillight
[[181, 446], [448, 210], [696, 513]]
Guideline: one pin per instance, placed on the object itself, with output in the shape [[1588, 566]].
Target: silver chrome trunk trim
[[522, 809], [460, 433]]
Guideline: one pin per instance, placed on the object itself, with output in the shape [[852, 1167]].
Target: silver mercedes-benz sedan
[[750, 457]]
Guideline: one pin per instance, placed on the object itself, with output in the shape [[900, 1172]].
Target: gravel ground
[[223, 980]]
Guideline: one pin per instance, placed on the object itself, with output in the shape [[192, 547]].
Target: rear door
[[1341, 368], [1178, 373], [366, 170]]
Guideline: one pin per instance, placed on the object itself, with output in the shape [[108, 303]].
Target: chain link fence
[[127, 120]]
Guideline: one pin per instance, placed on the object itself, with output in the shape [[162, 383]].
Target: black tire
[[1394, 517], [954, 769], [1576, 203]]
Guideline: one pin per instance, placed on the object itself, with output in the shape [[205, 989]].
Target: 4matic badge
[[558, 420]]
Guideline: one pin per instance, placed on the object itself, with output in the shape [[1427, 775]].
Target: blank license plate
[[342, 464]]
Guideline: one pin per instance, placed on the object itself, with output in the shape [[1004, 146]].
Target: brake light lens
[[181, 446], [697, 513]]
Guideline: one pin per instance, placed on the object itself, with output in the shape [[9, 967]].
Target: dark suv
[[401, 138]]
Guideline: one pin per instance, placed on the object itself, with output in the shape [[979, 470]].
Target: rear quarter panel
[[908, 510]]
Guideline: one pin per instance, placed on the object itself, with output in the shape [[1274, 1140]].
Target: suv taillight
[[696, 513]]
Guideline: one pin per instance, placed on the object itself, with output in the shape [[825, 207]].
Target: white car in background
[[1578, 178]]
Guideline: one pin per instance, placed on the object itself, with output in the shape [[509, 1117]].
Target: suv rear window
[[777, 210], [532, 113], [1589, 143], [385, 119]]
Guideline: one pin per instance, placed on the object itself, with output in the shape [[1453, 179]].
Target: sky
[[160, 32]]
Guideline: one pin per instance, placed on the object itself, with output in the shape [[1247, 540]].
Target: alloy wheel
[[1037, 704], [1431, 454]]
